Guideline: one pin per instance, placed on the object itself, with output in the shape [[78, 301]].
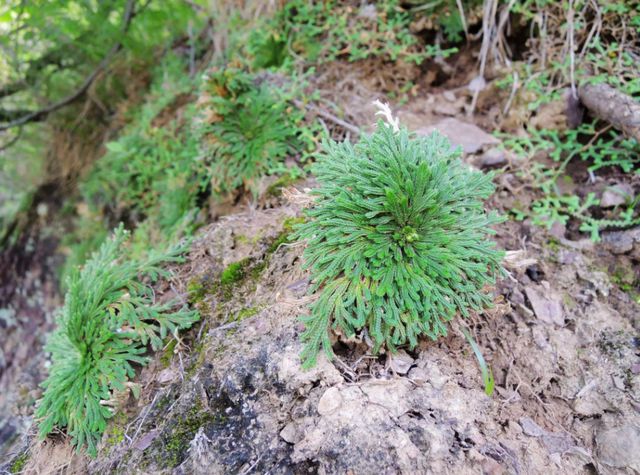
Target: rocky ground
[[230, 397]]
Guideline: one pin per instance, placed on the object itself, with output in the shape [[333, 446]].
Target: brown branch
[[34, 69], [12, 142], [612, 106], [9, 115], [41, 114], [329, 116]]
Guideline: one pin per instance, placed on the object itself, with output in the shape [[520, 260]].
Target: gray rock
[[470, 137], [330, 401], [619, 447], [400, 362], [545, 305], [146, 439], [494, 157], [616, 195], [622, 242], [290, 433], [530, 428]]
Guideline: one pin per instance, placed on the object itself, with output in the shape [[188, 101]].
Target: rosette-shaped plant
[[397, 240], [109, 318]]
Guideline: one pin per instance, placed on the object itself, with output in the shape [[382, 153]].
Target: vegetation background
[[169, 118]]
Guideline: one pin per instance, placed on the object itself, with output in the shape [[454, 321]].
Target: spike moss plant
[[397, 240], [108, 319]]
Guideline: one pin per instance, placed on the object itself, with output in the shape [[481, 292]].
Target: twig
[[143, 419], [572, 54], [463, 19], [514, 89], [44, 112], [11, 142], [328, 115], [192, 50], [251, 467]]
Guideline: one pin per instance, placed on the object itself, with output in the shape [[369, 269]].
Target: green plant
[[150, 161], [446, 14], [150, 176], [604, 149], [330, 30], [255, 129], [604, 52], [396, 240], [108, 319]]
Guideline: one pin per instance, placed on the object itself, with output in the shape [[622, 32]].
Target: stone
[[290, 433], [545, 305], [330, 401], [616, 195], [530, 428], [470, 137], [145, 440], [400, 362], [446, 108], [557, 443], [621, 242], [492, 158], [477, 84], [419, 376], [619, 447]]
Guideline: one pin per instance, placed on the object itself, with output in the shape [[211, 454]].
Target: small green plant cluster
[[150, 176], [605, 52], [254, 129], [109, 318], [330, 30], [151, 170], [556, 205], [446, 14], [397, 240]]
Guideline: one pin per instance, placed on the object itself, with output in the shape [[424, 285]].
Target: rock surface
[[233, 399], [616, 195], [468, 136]]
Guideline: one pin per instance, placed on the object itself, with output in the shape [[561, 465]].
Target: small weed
[[233, 273], [254, 129], [602, 59], [396, 240], [19, 463], [109, 318], [167, 353], [245, 313], [325, 31]]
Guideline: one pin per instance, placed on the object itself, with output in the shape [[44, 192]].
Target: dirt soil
[[561, 342], [230, 397]]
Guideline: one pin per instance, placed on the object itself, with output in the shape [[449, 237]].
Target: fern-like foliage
[[397, 240], [255, 129], [108, 319]]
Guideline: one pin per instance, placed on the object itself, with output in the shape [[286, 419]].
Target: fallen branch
[[612, 106], [13, 141], [41, 114], [329, 116]]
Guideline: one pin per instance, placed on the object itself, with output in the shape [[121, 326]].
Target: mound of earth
[[231, 396]]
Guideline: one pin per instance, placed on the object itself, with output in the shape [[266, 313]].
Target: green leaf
[[487, 374]]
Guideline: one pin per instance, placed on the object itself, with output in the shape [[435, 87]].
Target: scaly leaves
[[108, 319], [254, 131], [397, 241]]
